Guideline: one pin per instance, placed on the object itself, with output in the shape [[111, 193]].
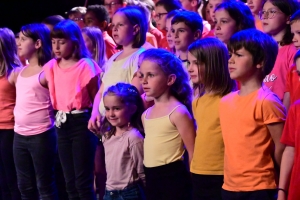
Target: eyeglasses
[[269, 14], [76, 19], [159, 15], [111, 4]]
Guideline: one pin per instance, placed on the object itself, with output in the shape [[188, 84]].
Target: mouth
[[218, 34], [170, 41], [146, 89], [265, 24], [115, 36], [251, 7], [176, 42], [231, 69], [193, 76], [57, 53]]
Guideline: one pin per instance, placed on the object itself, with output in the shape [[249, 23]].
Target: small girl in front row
[[169, 125], [123, 142], [214, 82], [73, 81]]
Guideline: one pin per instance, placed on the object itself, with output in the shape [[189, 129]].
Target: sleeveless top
[[163, 144], [33, 111]]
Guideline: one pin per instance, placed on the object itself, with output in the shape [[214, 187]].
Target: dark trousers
[[253, 195], [8, 177], [76, 148], [171, 181], [34, 158], [100, 172], [207, 187]]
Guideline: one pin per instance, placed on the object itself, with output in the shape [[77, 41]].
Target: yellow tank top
[[163, 143]]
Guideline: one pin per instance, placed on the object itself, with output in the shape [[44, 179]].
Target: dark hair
[[190, 19], [288, 7], [170, 64], [169, 5], [216, 75], [203, 10], [295, 17], [69, 30], [100, 12], [240, 13], [136, 16], [261, 46], [129, 95], [297, 55], [42, 33], [173, 13], [53, 20]]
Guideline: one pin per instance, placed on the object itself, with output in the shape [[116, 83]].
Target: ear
[[194, 3], [197, 35], [171, 79], [136, 29], [288, 20], [260, 65], [38, 44], [103, 25]]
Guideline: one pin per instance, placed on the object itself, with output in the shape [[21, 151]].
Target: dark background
[[15, 13]]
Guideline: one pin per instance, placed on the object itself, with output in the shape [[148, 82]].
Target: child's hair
[[288, 7], [240, 13], [8, 52], [262, 47], [297, 55], [216, 75], [203, 10], [53, 20], [42, 33], [173, 13], [135, 16], [295, 17], [96, 37], [128, 95], [69, 30], [169, 5], [100, 13], [147, 6], [170, 64], [81, 10], [190, 19]]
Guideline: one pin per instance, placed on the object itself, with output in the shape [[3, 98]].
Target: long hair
[[128, 95], [8, 52], [216, 75], [42, 33], [99, 53], [69, 30], [170, 64]]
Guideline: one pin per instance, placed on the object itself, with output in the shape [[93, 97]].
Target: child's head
[[297, 62], [212, 5], [162, 8], [208, 66], [94, 42], [123, 109], [112, 6], [76, 14], [169, 27], [35, 41], [129, 27], [231, 17], [51, 21], [255, 6], [252, 52], [8, 52], [67, 41], [161, 72], [275, 16], [97, 16], [206, 13], [295, 28], [147, 7], [186, 28], [191, 5]]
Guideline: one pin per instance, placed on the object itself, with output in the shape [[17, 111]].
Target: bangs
[[59, 32]]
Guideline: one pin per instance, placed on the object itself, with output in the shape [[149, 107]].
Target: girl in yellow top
[[212, 81]]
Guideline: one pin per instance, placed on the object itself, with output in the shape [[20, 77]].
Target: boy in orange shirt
[[252, 120]]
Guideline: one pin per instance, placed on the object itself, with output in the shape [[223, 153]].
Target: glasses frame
[[268, 13], [111, 4], [159, 15]]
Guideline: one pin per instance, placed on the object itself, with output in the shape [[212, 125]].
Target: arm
[[93, 86], [137, 156], [94, 122], [286, 101], [275, 130], [12, 78]]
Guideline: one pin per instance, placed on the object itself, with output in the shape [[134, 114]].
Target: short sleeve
[[133, 64], [90, 70], [273, 110], [288, 135], [288, 79]]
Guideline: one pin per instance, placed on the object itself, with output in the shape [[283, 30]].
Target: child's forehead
[[180, 25]]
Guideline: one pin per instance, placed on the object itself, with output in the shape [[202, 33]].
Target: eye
[[273, 11], [223, 21]]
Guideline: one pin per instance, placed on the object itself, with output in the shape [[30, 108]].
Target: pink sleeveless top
[[33, 111]]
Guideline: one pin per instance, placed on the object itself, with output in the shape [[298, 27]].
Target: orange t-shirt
[[258, 25], [293, 84], [7, 105], [109, 44], [248, 164], [164, 43], [157, 33], [151, 39]]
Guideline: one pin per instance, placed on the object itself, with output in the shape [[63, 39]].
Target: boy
[[76, 14], [251, 120], [112, 6], [97, 16]]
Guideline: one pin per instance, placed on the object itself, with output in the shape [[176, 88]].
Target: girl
[[129, 31], [123, 142], [276, 23], [231, 17], [35, 144], [73, 101], [9, 63], [168, 125], [255, 7], [212, 77]]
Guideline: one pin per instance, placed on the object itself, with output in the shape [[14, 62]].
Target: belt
[[61, 116]]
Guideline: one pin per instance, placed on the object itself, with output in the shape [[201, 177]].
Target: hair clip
[[132, 90]]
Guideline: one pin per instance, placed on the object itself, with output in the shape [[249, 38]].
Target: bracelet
[[283, 190]]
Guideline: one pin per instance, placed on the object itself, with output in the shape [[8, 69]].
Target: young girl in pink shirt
[[73, 80]]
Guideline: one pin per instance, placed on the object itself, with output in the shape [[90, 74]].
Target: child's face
[[208, 17], [169, 33], [274, 21], [255, 6], [225, 26], [194, 68], [26, 46], [160, 17], [295, 29], [91, 20], [112, 6], [88, 43], [77, 17], [62, 48], [212, 4], [189, 5], [183, 36], [116, 112]]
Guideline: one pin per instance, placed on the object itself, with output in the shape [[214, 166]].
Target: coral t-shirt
[[111, 47], [164, 43], [150, 38], [293, 84], [157, 33]]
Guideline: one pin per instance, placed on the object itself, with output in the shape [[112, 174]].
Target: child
[[76, 14], [123, 142], [51, 21], [295, 28], [255, 7], [251, 120], [213, 77], [212, 5], [206, 16], [35, 144], [73, 102], [288, 188], [97, 16], [276, 22], [231, 17], [129, 31], [112, 6], [168, 125], [170, 41], [9, 62]]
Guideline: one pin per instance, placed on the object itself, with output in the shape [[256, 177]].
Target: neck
[[250, 85], [68, 60], [183, 55], [163, 99], [129, 48], [278, 36], [256, 16], [122, 129], [33, 61]]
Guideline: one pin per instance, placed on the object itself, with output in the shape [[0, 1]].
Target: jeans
[[76, 148], [8, 177], [130, 193], [34, 158]]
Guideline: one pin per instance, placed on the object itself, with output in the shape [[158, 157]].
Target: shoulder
[[12, 78], [50, 64], [179, 113], [229, 97], [288, 50], [134, 136]]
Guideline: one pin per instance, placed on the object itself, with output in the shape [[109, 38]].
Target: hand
[[94, 124]]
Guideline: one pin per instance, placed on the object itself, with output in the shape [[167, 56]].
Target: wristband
[[283, 190]]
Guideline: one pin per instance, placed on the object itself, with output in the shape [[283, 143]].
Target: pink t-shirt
[[276, 80], [68, 86], [33, 111]]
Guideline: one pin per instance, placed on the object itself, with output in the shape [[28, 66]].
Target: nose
[[231, 60], [294, 38], [111, 113], [56, 46]]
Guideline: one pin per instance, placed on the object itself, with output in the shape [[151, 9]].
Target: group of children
[[197, 108]]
